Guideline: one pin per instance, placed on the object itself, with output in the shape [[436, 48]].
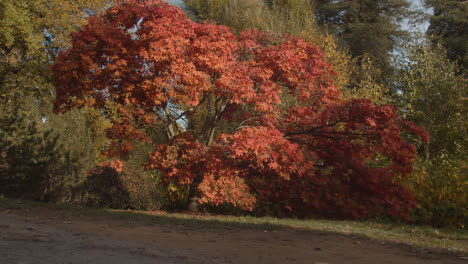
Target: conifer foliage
[[289, 144], [369, 28], [450, 23]]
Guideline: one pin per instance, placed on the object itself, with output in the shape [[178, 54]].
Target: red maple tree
[[253, 121]]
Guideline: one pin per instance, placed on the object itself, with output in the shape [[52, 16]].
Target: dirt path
[[40, 235]]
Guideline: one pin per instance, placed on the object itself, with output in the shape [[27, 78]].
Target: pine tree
[[450, 23], [43, 157], [26, 149], [369, 28]]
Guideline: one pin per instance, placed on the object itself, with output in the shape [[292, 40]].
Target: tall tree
[[31, 34], [369, 28], [294, 145], [449, 22], [38, 157], [237, 14], [36, 144], [436, 98]]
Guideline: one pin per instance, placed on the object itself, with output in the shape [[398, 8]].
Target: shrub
[[37, 161], [128, 188], [142, 189], [441, 192], [173, 196]]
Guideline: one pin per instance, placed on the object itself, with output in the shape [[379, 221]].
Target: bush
[[130, 188], [441, 192], [38, 158], [173, 196], [141, 188]]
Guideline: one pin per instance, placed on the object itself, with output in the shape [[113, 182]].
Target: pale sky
[[178, 3], [421, 27]]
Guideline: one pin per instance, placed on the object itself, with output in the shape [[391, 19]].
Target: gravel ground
[[49, 236], [44, 243]]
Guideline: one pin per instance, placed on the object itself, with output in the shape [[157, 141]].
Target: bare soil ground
[[43, 235]]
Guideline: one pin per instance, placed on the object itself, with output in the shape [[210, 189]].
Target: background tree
[[237, 14], [368, 28], [369, 85], [38, 158], [435, 97], [39, 151], [449, 23], [289, 127], [31, 34]]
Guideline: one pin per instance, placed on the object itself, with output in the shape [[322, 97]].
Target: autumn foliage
[[253, 121]]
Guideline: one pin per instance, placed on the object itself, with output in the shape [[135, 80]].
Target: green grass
[[424, 238]]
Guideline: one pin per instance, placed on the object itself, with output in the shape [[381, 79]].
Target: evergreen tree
[[23, 152], [43, 157], [369, 28], [40, 154], [450, 22]]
